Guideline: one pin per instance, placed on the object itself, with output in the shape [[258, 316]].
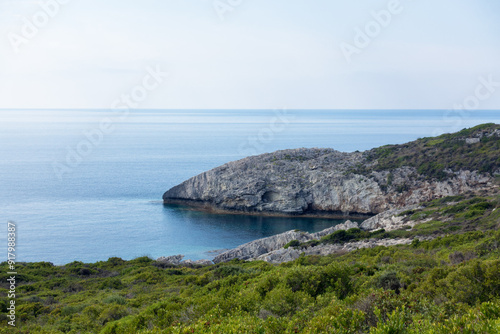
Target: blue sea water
[[86, 185]]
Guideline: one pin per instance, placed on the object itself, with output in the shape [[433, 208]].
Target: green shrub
[[111, 283], [319, 280], [473, 213], [282, 301], [389, 281], [115, 261], [112, 313], [343, 236], [293, 243], [139, 260], [415, 243], [266, 284], [337, 319], [30, 310], [456, 208], [483, 206], [115, 299], [395, 323], [228, 270]]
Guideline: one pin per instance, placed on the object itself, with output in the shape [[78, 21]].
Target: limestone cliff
[[328, 182]]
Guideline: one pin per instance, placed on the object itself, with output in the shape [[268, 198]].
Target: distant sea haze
[[86, 185]]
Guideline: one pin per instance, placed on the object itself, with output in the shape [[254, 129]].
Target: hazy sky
[[249, 53]]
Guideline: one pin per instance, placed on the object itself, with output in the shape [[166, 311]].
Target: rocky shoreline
[[271, 249], [208, 208], [380, 184]]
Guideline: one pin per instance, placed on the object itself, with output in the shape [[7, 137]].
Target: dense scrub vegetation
[[434, 155], [450, 284]]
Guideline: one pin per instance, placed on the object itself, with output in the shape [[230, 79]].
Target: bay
[[77, 192]]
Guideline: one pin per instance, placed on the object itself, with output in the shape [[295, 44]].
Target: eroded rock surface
[[253, 249], [315, 181], [388, 220], [290, 254]]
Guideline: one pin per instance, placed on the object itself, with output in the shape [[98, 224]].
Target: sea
[[87, 185]]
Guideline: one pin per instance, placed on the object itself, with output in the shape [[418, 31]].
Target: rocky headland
[[328, 182], [380, 183]]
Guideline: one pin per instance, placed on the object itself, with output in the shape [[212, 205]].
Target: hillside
[[450, 284], [325, 182]]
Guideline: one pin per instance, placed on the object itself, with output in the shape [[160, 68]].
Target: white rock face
[[290, 254], [472, 140], [176, 260], [203, 262], [279, 256], [255, 248], [173, 260], [388, 220]]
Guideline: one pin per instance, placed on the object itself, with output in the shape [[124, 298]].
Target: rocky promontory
[[326, 182]]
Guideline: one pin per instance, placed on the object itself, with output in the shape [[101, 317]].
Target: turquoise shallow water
[[107, 202]]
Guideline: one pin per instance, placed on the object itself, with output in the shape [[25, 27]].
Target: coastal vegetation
[[450, 284], [435, 157]]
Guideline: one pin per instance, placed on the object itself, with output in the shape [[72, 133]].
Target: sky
[[242, 54]]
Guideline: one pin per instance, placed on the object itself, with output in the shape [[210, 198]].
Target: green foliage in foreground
[[450, 284]]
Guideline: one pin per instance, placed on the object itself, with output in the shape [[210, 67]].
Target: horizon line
[[250, 109]]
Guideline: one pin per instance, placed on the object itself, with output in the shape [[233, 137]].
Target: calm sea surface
[[87, 185]]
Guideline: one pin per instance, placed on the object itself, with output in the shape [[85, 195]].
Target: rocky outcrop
[[388, 220], [171, 260], [254, 249], [176, 260], [316, 181], [203, 262], [258, 247], [290, 254]]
